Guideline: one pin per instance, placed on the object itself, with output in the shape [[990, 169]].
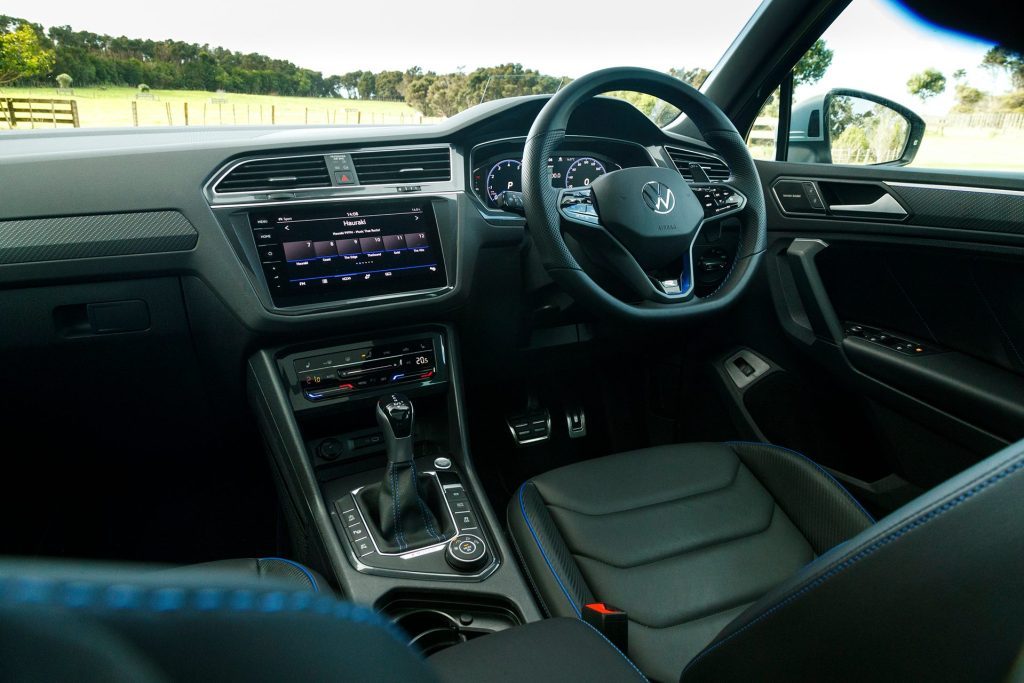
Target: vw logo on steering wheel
[[659, 197]]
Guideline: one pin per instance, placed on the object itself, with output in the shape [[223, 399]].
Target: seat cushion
[[682, 537]]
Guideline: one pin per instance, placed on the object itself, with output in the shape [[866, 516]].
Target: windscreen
[[194, 63]]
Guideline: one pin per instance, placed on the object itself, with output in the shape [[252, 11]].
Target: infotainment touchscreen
[[348, 250]]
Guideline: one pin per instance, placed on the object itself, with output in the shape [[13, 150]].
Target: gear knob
[[395, 416]]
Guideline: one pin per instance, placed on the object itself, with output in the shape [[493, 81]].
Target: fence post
[[359, 116], [186, 113], [135, 113], [307, 116], [167, 108], [234, 119], [53, 113], [273, 114]]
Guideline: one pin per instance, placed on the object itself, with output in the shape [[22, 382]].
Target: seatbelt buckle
[[610, 621]]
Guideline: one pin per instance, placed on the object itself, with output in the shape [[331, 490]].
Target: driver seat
[[743, 561]]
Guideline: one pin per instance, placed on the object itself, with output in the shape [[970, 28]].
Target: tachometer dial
[[584, 171], [504, 176]]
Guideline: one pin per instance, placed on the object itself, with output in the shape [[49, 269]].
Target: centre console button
[[466, 553], [466, 521], [357, 532]]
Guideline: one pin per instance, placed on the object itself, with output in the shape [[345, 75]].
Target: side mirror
[[846, 126]]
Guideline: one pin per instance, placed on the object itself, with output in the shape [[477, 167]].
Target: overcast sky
[[877, 46]]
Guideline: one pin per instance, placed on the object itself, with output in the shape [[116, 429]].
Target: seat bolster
[[273, 570], [557, 580], [934, 591], [817, 504]]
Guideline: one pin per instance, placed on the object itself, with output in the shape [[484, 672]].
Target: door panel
[[941, 291]]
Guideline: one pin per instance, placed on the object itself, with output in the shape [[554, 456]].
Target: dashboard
[[292, 229], [497, 165]]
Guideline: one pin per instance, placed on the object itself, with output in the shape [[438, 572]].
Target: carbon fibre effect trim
[[967, 208], [74, 237]]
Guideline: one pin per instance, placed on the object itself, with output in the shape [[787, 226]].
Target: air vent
[[401, 166], [713, 166], [286, 173]]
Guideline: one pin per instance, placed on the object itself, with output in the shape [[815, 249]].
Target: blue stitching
[[816, 466], [79, 595], [399, 536], [422, 506], [616, 648], [853, 559], [309, 575], [522, 506]]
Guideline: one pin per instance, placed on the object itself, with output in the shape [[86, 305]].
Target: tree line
[[969, 99], [33, 55]]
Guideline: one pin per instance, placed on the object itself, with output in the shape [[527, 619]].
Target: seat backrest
[[934, 591]]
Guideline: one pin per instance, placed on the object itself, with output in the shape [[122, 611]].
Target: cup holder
[[436, 622], [431, 631]]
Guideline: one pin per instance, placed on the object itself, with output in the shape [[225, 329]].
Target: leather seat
[[261, 570], [713, 549], [92, 623]]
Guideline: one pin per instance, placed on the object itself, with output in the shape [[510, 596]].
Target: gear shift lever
[[405, 518]]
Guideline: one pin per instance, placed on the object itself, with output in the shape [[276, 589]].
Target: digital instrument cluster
[[568, 169], [497, 165]]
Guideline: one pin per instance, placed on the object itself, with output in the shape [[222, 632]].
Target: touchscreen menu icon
[[299, 251], [371, 244], [416, 239], [326, 249], [394, 242], [348, 246]]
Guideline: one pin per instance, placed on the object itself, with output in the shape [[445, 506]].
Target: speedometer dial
[[504, 176], [584, 171]]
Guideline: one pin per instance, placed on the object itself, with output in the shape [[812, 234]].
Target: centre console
[[368, 436]]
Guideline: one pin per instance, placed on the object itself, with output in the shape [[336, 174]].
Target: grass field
[[997, 149], [105, 107], [944, 146]]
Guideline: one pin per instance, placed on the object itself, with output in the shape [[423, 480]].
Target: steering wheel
[[641, 223]]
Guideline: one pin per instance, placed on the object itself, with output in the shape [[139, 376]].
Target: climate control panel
[[365, 369]]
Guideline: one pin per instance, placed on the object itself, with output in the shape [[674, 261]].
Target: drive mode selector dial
[[466, 553]]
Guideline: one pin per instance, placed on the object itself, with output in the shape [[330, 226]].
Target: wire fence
[[152, 110]]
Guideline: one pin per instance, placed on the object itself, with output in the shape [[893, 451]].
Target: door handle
[[884, 206]]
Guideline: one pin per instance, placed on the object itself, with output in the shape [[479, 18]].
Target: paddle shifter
[[409, 507]]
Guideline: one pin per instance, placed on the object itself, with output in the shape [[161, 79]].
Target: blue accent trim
[[399, 535], [816, 466], [25, 591], [522, 507], [309, 574], [842, 566], [615, 647]]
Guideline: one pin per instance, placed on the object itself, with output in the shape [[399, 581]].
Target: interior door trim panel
[[970, 208], [976, 391], [941, 204]]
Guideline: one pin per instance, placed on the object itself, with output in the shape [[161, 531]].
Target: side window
[[882, 87]]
